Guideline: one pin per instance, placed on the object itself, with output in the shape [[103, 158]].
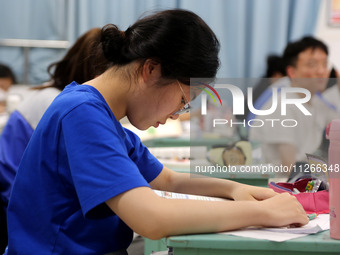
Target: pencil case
[[312, 202]]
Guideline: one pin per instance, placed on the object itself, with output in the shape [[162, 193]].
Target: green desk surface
[[212, 244], [186, 141], [256, 179]]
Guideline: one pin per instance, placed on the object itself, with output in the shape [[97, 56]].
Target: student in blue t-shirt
[[82, 62], [84, 182]]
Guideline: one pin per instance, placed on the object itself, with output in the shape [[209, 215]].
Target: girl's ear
[[151, 71]]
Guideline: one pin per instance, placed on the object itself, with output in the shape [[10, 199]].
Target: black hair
[[82, 62], [179, 40], [275, 64], [293, 49], [6, 72]]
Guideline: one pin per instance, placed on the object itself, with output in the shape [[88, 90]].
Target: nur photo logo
[[204, 97], [281, 99]]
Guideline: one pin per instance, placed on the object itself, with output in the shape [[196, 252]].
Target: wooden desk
[[213, 244]]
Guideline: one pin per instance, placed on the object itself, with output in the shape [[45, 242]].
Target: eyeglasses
[[186, 108], [317, 64]]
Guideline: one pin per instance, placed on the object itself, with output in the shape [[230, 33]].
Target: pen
[[312, 216]]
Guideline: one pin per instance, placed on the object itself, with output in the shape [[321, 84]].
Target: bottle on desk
[[333, 134]]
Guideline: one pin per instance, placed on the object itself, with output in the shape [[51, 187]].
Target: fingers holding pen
[[284, 210]]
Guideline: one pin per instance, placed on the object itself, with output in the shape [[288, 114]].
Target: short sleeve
[[99, 161], [148, 165]]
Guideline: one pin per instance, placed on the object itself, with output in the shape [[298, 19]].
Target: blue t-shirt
[[16, 135], [13, 141], [78, 157]]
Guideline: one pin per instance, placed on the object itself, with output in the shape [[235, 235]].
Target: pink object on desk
[[315, 202], [333, 134]]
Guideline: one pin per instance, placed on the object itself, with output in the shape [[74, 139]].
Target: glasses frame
[[186, 108]]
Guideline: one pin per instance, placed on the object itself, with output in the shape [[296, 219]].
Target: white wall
[[329, 35]]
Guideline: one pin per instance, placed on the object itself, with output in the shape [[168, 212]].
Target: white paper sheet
[[173, 195], [320, 223]]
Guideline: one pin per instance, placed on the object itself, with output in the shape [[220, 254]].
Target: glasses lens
[[185, 109]]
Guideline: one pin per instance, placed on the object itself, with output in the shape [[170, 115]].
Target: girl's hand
[[248, 192], [283, 210]]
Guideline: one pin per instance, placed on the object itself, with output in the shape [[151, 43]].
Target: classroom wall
[[329, 34]]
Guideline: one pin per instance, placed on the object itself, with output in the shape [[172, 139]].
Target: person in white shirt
[[285, 139]]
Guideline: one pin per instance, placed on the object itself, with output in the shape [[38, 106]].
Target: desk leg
[[154, 245]]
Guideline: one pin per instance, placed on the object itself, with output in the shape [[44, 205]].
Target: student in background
[[307, 67], [84, 182], [83, 61], [7, 79], [275, 70]]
